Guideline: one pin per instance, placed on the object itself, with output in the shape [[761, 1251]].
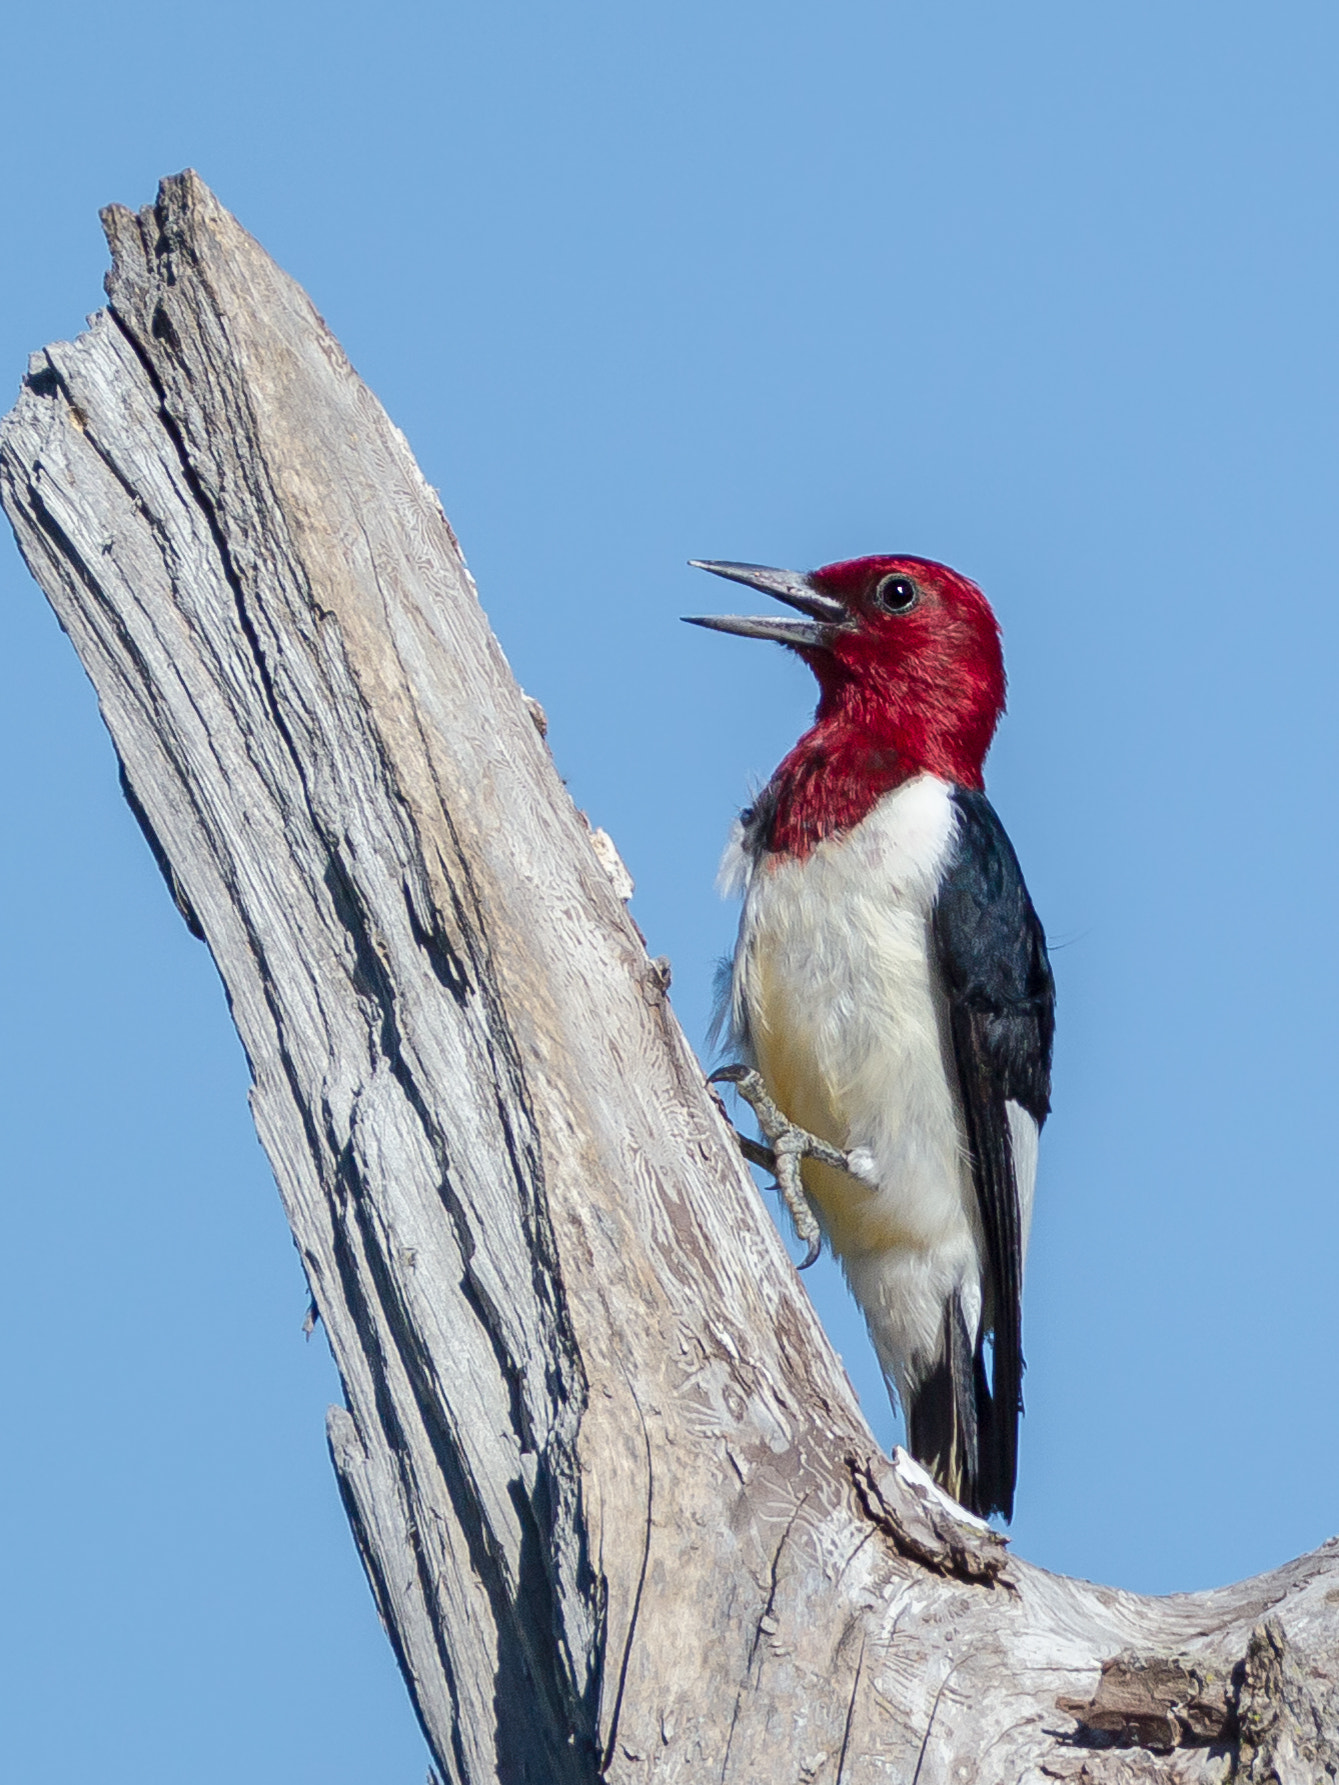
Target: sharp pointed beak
[[827, 616]]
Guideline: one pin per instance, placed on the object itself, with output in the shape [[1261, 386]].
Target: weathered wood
[[618, 1507]]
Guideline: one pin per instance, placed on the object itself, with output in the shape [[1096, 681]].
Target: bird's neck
[[856, 752]]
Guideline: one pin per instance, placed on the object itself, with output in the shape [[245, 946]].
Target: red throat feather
[[918, 692]]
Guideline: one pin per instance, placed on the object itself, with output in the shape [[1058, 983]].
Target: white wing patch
[[1023, 1137]]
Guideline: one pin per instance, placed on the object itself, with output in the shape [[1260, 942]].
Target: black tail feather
[[943, 1426], [955, 1429], [999, 1443]]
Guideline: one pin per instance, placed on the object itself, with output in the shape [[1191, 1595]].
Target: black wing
[[991, 953]]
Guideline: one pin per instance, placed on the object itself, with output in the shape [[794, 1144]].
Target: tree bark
[[620, 1512]]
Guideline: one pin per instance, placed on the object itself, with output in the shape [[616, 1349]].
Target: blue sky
[[1046, 292]]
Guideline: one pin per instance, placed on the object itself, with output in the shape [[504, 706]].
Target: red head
[[911, 678]]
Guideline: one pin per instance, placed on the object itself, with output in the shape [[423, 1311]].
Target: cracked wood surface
[[617, 1505]]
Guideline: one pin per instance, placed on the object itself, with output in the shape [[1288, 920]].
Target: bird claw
[[789, 1145]]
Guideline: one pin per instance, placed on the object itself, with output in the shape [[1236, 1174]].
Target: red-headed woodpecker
[[890, 985]]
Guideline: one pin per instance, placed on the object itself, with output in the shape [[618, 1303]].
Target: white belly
[[836, 998]]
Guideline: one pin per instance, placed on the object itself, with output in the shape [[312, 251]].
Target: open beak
[[827, 616]]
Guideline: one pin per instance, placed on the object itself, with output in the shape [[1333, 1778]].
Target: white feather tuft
[[736, 869]]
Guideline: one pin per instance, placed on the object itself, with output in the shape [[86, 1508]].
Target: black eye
[[895, 594]]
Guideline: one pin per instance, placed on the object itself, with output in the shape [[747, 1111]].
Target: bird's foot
[[789, 1145]]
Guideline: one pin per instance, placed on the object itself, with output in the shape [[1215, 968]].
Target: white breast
[[835, 996]]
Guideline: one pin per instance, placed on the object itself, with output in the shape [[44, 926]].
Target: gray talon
[[789, 1145]]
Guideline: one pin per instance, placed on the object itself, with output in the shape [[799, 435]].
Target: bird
[[890, 995]]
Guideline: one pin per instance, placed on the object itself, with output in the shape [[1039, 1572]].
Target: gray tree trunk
[[618, 1507]]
